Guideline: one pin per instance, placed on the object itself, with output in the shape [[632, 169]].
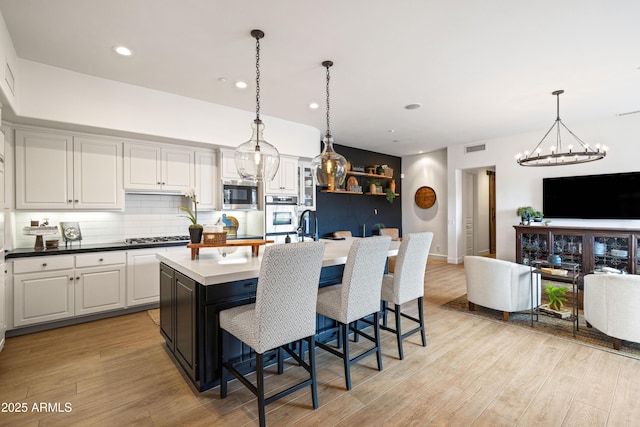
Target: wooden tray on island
[[254, 243]]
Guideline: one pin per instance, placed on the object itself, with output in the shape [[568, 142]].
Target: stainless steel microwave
[[239, 195]]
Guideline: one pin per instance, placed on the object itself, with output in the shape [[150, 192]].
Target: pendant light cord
[[328, 64], [258, 78]]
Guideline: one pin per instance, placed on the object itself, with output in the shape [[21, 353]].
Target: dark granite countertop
[[77, 248]]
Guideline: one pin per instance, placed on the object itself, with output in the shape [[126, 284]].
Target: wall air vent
[[474, 148]]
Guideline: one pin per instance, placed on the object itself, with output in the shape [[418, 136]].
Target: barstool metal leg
[[421, 318], [347, 362], [376, 329], [223, 370], [399, 331], [312, 366], [260, 388]]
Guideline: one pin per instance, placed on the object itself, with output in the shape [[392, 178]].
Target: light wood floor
[[116, 372]]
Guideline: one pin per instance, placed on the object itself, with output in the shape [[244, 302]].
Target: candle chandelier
[[330, 168], [256, 159], [556, 156]]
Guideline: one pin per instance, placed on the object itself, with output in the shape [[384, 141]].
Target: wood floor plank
[[473, 371]]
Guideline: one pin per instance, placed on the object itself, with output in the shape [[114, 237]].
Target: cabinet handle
[[77, 278], [44, 264], [69, 201], [101, 259], [76, 201], [71, 279], [159, 183], [163, 183]]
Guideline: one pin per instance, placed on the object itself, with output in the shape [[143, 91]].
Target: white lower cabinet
[[100, 282], [143, 277], [59, 287]]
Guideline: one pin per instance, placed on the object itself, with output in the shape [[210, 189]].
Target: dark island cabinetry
[[189, 322]]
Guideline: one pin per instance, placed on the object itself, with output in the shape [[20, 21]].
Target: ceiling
[[480, 69]]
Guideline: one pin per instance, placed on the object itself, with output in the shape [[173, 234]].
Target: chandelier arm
[[543, 138], [582, 143]]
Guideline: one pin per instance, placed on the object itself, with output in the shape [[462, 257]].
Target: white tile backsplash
[[145, 215]]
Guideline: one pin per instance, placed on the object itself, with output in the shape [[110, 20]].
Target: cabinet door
[[177, 170], [44, 170], [228, 165], [143, 281], [97, 178], [206, 182], [289, 175], [142, 167], [167, 311], [185, 330], [43, 297], [99, 289], [306, 185], [286, 179]]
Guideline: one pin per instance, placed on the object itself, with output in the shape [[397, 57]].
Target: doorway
[[479, 211]]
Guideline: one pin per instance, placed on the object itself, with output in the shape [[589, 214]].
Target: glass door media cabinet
[[593, 249]]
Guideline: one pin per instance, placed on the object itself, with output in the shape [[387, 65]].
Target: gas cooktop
[[149, 240]]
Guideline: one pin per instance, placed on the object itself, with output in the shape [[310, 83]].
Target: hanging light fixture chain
[[328, 102], [327, 65], [257, 78]]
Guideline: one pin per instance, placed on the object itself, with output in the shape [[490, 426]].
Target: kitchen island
[[193, 292]]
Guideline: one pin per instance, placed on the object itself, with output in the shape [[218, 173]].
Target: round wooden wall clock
[[425, 197]]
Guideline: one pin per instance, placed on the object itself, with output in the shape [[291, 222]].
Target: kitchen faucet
[[314, 234]]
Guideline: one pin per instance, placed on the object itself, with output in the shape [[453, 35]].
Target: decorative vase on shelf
[[195, 233], [392, 186]]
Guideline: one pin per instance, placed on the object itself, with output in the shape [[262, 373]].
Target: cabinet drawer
[[38, 264], [100, 258]]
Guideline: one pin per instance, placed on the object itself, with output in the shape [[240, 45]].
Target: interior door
[[469, 190]]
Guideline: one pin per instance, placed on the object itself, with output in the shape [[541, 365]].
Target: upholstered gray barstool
[[407, 284], [357, 297], [284, 312]]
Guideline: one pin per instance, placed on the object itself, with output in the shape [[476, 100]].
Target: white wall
[[58, 95], [429, 170], [520, 186]]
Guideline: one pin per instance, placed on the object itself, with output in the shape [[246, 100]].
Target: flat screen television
[[607, 196]]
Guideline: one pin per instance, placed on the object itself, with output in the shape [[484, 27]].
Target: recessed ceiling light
[[122, 50], [314, 105], [241, 85], [392, 130], [222, 79], [413, 106]]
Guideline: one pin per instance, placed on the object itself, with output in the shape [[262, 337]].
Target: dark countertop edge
[[77, 248]]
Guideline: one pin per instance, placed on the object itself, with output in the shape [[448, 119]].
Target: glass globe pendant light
[[330, 168], [256, 159]]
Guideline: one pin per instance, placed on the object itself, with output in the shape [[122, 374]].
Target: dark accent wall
[[338, 212]]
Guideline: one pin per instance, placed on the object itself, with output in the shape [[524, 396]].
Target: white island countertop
[[211, 267]]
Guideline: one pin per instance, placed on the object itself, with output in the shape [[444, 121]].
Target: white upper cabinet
[[286, 179], [156, 168], [58, 171], [228, 165], [206, 179]]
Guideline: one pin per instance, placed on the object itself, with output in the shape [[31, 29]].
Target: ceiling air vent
[[474, 148]]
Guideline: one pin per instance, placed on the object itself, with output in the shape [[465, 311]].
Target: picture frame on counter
[[70, 231]]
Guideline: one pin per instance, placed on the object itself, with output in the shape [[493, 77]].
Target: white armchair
[[611, 303], [500, 285]]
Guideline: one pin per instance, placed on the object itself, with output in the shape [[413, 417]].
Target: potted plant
[[376, 228], [557, 299], [373, 185], [390, 195], [537, 216], [195, 229], [525, 213]]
